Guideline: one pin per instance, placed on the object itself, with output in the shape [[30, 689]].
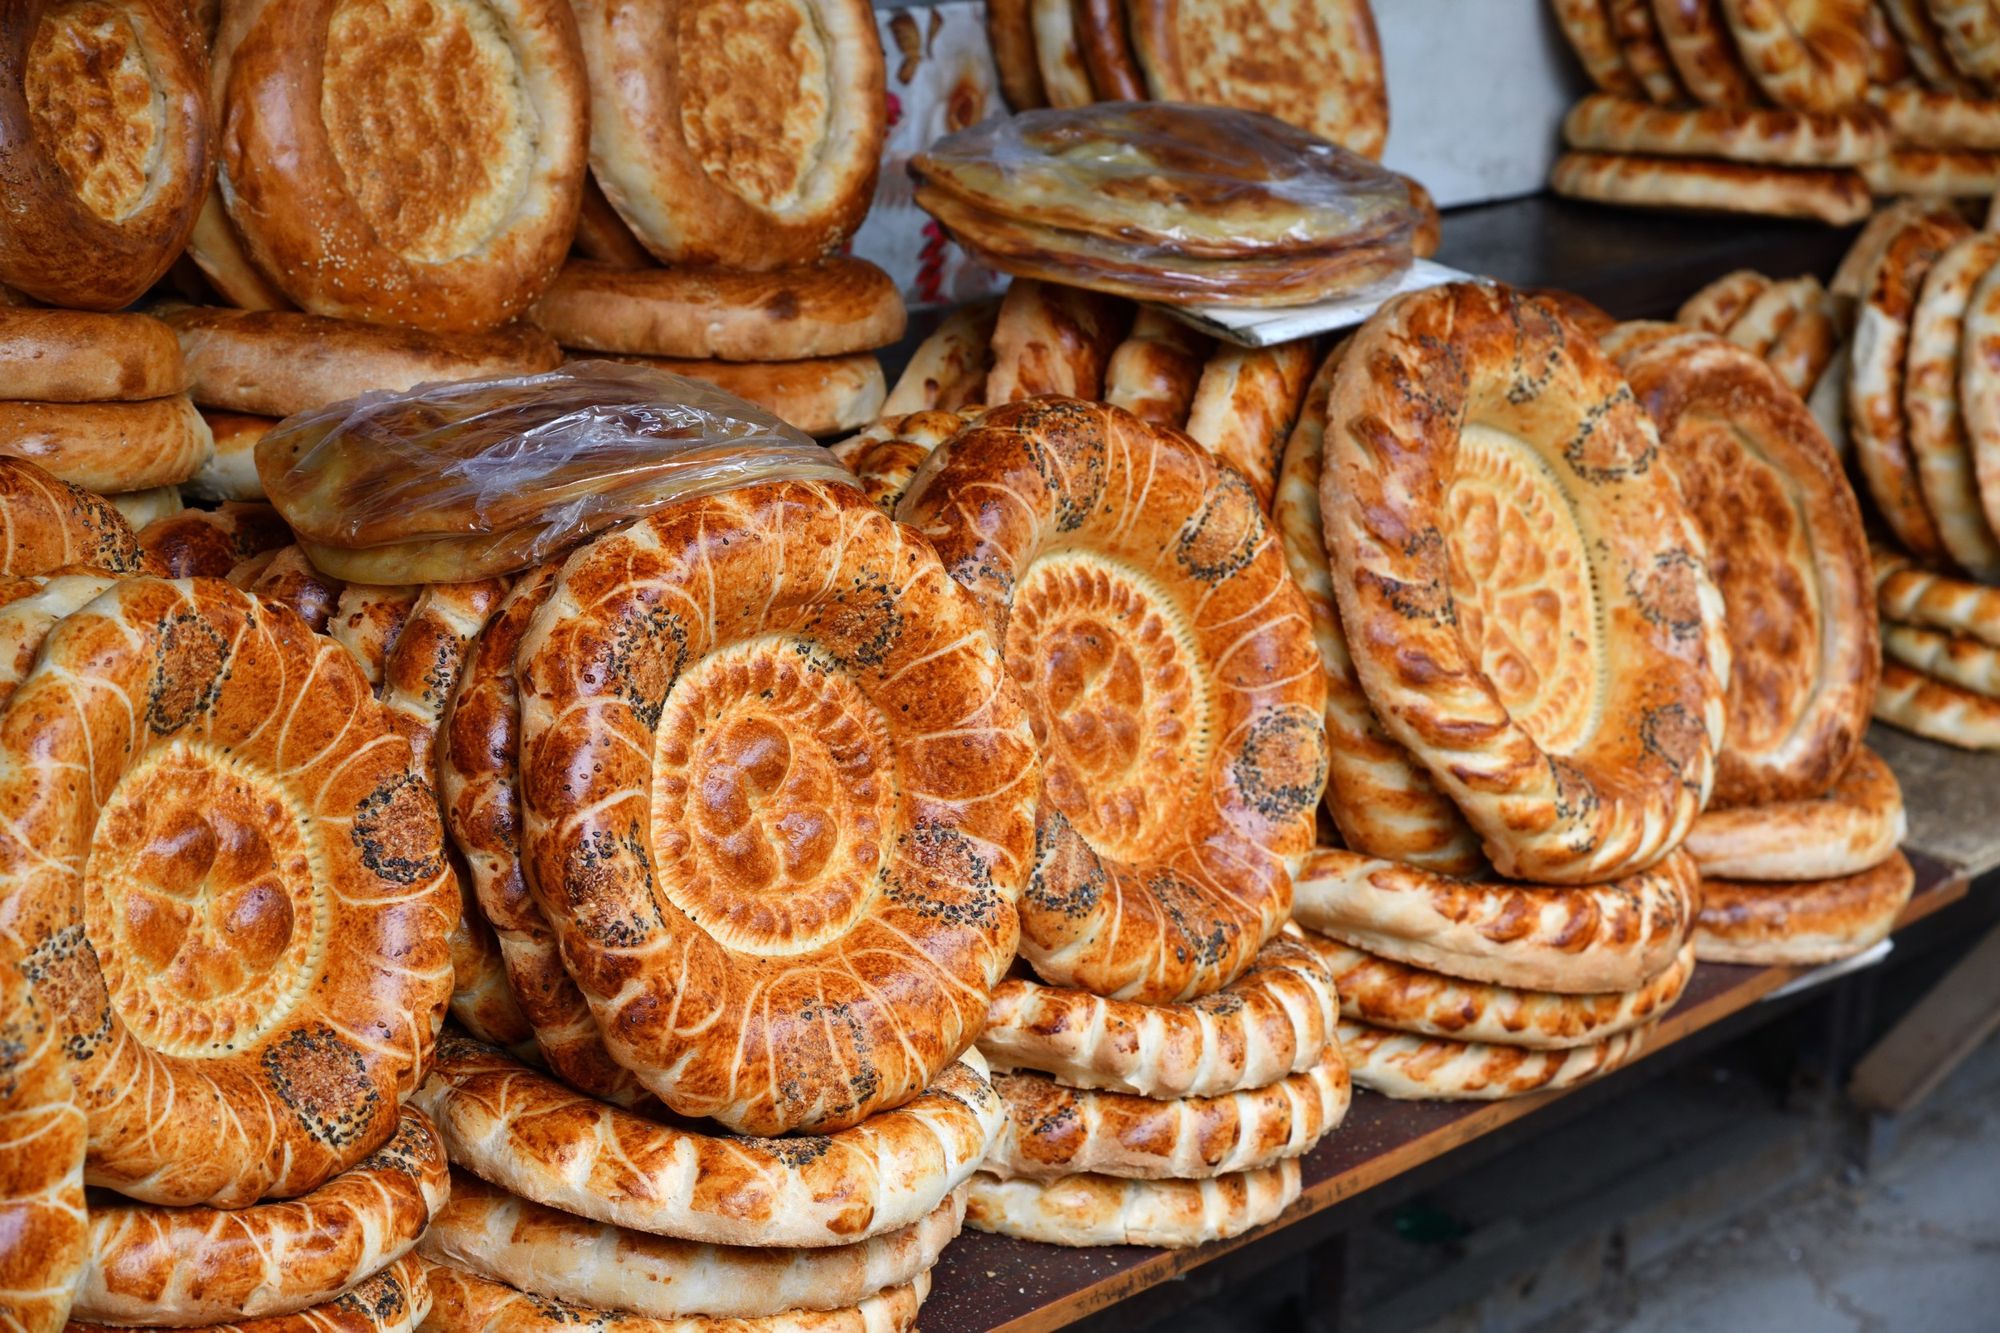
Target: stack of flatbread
[[1798, 844], [1940, 94], [1525, 662], [738, 150], [1731, 105]]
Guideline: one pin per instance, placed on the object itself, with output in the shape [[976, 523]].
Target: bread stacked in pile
[[1940, 96], [1526, 663]]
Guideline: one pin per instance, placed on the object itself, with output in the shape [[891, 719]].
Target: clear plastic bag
[[1172, 179], [469, 479]]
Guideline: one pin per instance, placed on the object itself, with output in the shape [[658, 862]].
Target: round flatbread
[[1102, 1210], [1921, 118], [1935, 601], [208, 543], [1576, 939], [1924, 44], [1318, 65], [1382, 993], [1807, 54], [886, 456], [69, 356], [231, 470], [1934, 172], [142, 508], [1966, 663], [1271, 1022], [1935, 710], [602, 235], [740, 133], [948, 369], [1703, 52], [42, 1134], [1050, 339], [1804, 923], [222, 1070], [1717, 306], [1888, 63], [529, 1134], [1587, 26], [1638, 34], [1409, 1067], [1245, 405], [1808, 338], [1517, 570], [1180, 786], [109, 447], [32, 607], [1853, 825], [104, 146], [465, 1303], [1787, 551], [1939, 442], [1970, 30], [1154, 372], [195, 1266], [289, 580], [1769, 135], [395, 1300], [333, 126], [830, 308], [1833, 196]]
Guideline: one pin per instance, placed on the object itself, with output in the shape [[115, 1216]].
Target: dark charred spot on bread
[[397, 832], [324, 1082], [190, 667]]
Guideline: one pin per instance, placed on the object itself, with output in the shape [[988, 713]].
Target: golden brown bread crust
[[1638, 35], [1587, 26], [1577, 939], [1932, 172], [167, 743], [1268, 1023], [747, 135], [1428, 232], [32, 608], [739, 858], [478, 756], [887, 454], [1978, 390], [1319, 65], [1011, 32], [1912, 22], [1703, 53], [1888, 62], [1770, 135], [1834, 196], [1919, 597], [465, 1303], [525, 1132], [1875, 419], [1167, 663], [1808, 333], [827, 395], [1715, 307], [1811, 56], [290, 581], [1153, 373], [1102, 1210], [495, 1235], [395, 1300], [208, 543], [109, 446], [828, 308], [948, 369], [142, 508], [1058, 55], [1524, 592], [1786, 550], [1245, 404], [1382, 993], [231, 470], [602, 235], [1053, 1131], [360, 224], [1964, 662], [1934, 419], [1921, 118], [1970, 30], [1853, 825], [1409, 1067], [1106, 44], [367, 620], [41, 1158], [47, 523], [104, 147], [69, 356], [1811, 922], [274, 362], [1382, 800], [191, 1266], [1051, 339], [1936, 710]]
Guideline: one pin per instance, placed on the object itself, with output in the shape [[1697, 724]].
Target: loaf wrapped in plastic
[[466, 480]]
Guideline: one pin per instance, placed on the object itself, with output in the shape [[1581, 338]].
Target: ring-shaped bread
[[501, 1237], [466, 1303], [395, 1300], [348, 160], [1169, 670], [1382, 800], [1921, 118], [1245, 404], [231, 470], [1059, 54], [1524, 592], [1911, 21], [1807, 336], [104, 147], [110, 447], [1856, 823], [30, 608], [1808, 922], [1410, 1067], [1703, 52], [779, 801], [41, 1158], [1934, 173], [289, 580], [886, 455], [1770, 135], [1966, 663], [1271, 1022], [1970, 30], [141, 508], [1836, 196], [1811, 55], [747, 135], [1718, 305], [1053, 1131], [947, 371], [1937, 710], [1103, 1210], [1939, 442], [47, 523], [208, 543], [1637, 31], [185, 1267], [229, 874], [479, 778], [520, 1129], [1788, 553], [1154, 372], [1978, 390], [1910, 596], [70, 356], [1577, 939], [1383, 993], [1106, 44], [1587, 26]]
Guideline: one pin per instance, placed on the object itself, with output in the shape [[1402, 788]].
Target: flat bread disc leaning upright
[[739, 132]]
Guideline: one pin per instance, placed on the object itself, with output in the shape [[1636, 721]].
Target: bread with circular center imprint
[[191, 1266], [1718, 305], [1637, 29], [529, 1134], [109, 447], [1801, 923], [1102, 1210], [1245, 404], [1970, 30], [1523, 589], [70, 356], [1923, 43], [1950, 659], [41, 1157], [1934, 172], [452, 221], [466, 1303], [495, 1235], [104, 147], [821, 396], [395, 1300], [289, 580], [222, 1066], [1935, 420], [1181, 788], [1052, 340], [47, 523], [1409, 1067], [231, 470], [1058, 54], [747, 135]]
